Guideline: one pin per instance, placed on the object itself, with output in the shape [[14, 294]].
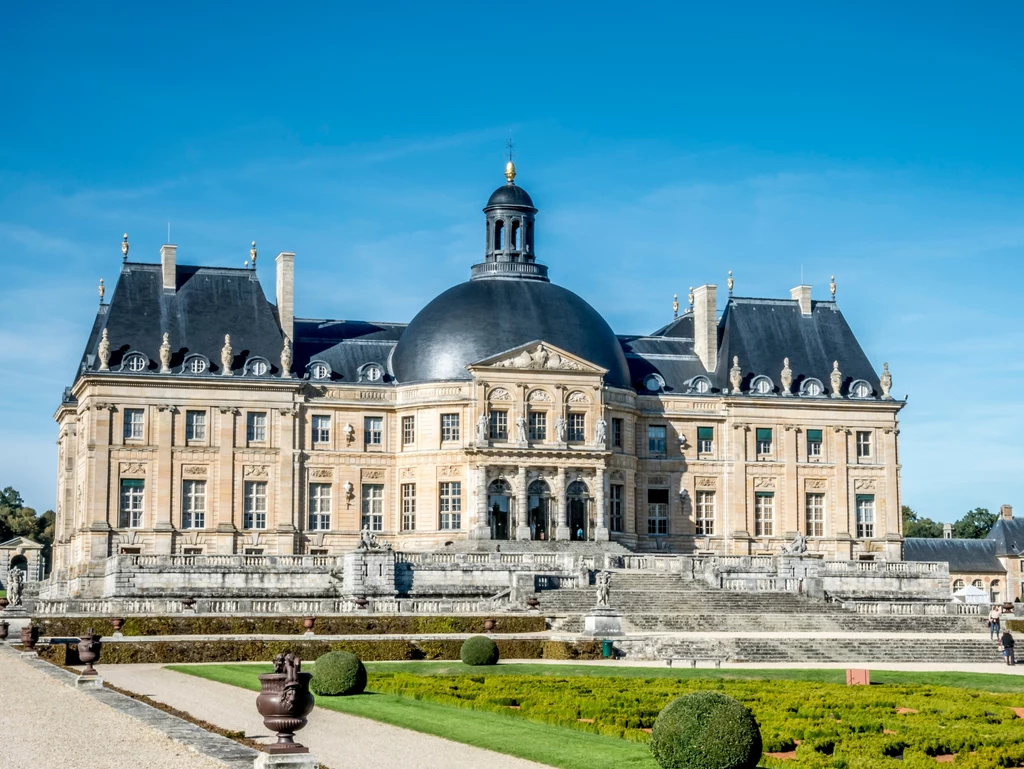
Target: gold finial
[[730, 282], [252, 254], [125, 246], [832, 287], [510, 172], [675, 305], [690, 297], [103, 290]]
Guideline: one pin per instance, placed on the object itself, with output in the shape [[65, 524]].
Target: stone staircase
[[585, 549]]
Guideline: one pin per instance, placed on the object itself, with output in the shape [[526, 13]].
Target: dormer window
[[654, 383], [195, 364], [700, 385], [135, 362], [762, 385], [372, 372], [258, 367], [860, 389], [319, 370], [812, 388]]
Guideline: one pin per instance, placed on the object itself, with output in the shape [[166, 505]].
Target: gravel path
[[47, 725], [340, 741]]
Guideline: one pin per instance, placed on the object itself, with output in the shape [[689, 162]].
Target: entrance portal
[[540, 511], [578, 502], [499, 494]]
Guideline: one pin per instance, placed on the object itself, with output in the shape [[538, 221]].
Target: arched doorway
[[499, 496], [577, 498], [539, 502]]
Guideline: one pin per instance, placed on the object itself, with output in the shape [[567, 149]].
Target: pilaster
[[562, 522], [522, 506], [601, 529], [162, 498], [225, 510]]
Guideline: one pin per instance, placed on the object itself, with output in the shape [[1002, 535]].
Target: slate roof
[[962, 555], [346, 346], [1007, 535]]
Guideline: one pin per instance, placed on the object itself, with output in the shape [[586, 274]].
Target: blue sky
[[664, 144]]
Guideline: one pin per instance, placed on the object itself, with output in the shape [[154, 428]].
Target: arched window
[[577, 489], [860, 389], [539, 489], [958, 584], [194, 364], [762, 385], [514, 240], [499, 235], [978, 584], [528, 239], [812, 388], [499, 486], [135, 362]]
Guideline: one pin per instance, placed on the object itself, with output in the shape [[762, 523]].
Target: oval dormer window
[[259, 368], [195, 365], [135, 362], [319, 370], [701, 385], [813, 388], [654, 383], [373, 373], [762, 385], [860, 389]]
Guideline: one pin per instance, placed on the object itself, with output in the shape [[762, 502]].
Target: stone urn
[[533, 602], [188, 604], [29, 636], [488, 625], [5, 626], [308, 623], [362, 603], [118, 623], [284, 702], [89, 652]]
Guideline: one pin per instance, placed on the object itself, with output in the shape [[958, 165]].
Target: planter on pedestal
[[4, 629], [29, 636], [284, 702], [89, 652]]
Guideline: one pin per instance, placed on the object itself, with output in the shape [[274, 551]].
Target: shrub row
[[167, 652], [337, 625], [828, 725], [1014, 625]]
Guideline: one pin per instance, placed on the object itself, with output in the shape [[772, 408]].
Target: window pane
[[764, 514], [408, 507], [193, 514], [373, 430], [373, 507], [499, 425], [705, 522], [450, 505], [449, 427], [815, 515], [256, 426], [133, 491], [538, 426], [319, 506], [617, 425], [577, 427], [254, 505], [321, 429], [656, 439], [615, 507], [408, 430], [133, 423], [195, 425]]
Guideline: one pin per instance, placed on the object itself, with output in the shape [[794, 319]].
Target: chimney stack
[[947, 531], [1006, 512], [705, 325], [169, 266], [286, 293], [802, 294]]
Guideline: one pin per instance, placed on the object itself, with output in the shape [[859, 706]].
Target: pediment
[[538, 355], [20, 543]]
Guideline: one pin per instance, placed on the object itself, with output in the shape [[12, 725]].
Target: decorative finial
[[836, 379], [286, 359], [225, 356], [165, 354], [104, 352], [832, 287], [690, 297], [125, 246], [102, 290], [675, 306], [886, 382], [730, 282], [786, 379], [252, 254], [736, 375], [510, 167]]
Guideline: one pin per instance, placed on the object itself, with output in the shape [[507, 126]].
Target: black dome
[[510, 195], [481, 318]]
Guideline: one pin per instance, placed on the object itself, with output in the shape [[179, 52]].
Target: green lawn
[[552, 745]]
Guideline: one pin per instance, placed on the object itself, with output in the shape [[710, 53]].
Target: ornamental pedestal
[[602, 622]]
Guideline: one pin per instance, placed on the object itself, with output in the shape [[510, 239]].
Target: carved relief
[[133, 468], [256, 471], [194, 470], [815, 484], [764, 483], [408, 473], [539, 396], [657, 480], [373, 475], [500, 394], [321, 472], [578, 397], [706, 483], [449, 471], [865, 484], [541, 357]]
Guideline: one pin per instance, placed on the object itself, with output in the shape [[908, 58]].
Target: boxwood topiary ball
[[706, 730], [338, 674], [479, 650]]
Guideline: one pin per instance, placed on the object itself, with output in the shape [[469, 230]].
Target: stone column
[[601, 527], [523, 506], [791, 491], [99, 476], [224, 510], [739, 520], [286, 522], [480, 529], [163, 498], [844, 522], [562, 522]]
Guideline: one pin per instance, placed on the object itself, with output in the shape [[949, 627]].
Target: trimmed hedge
[[706, 730], [337, 625], [479, 650], [338, 674], [1015, 625], [170, 652]]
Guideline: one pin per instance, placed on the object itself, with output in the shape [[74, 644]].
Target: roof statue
[[252, 254], [675, 305], [886, 382], [836, 379], [225, 356], [286, 359], [102, 290], [786, 377], [104, 352], [690, 297], [736, 375], [124, 247], [730, 283], [165, 354], [832, 287]]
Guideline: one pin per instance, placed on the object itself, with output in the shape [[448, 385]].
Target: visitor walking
[[993, 623], [1006, 646]]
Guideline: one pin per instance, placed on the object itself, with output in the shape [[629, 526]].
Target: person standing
[[1006, 646], [993, 623]]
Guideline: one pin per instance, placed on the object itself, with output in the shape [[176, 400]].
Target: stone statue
[[540, 356], [104, 352], [481, 429], [560, 429], [736, 375], [165, 354], [226, 356], [886, 382], [368, 541], [350, 432], [15, 583], [521, 429], [600, 432], [836, 378], [604, 579], [584, 573], [286, 359], [787, 377], [797, 547]]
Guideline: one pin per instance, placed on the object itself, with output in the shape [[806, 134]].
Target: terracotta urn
[[284, 702], [308, 623], [488, 625], [118, 623], [89, 652], [29, 636], [533, 602], [361, 602], [188, 603]]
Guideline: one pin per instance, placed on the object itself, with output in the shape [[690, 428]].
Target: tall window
[[408, 430], [657, 511], [373, 507], [373, 430], [450, 505], [133, 422], [408, 507], [656, 439], [538, 426], [195, 425], [813, 444], [449, 427], [616, 502], [577, 427], [764, 441], [865, 516], [705, 440], [193, 509], [764, 514], [133, 495], [617, 432], [705, 513], [815, 515], [256, 426], [321, 429], [319, 507], [499, 425], [254, 505], [863, 444]]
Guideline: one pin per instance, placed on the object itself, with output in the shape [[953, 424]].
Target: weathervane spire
[[510, 167]]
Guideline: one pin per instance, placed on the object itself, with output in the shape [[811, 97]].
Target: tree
[[975, 525], [16, 520], [915, 525]]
